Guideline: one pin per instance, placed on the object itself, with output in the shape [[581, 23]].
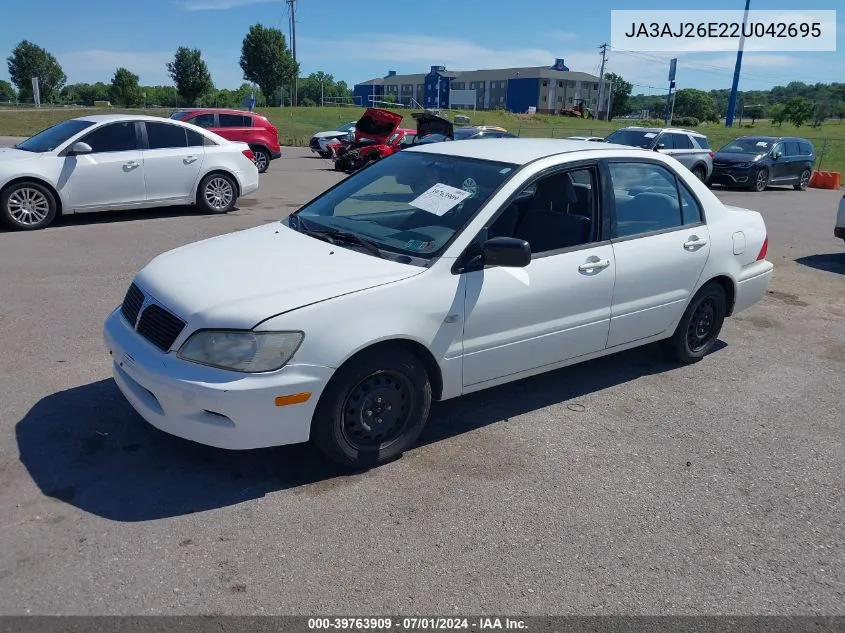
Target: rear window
[[702, 141], [632, 138]]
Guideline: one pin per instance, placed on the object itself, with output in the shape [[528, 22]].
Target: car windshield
[[633, 138], [747, 146], [464, 133], [347, 126], [49, 139], [410, 203]]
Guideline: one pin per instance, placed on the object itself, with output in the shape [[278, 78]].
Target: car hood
[[10, 154], [377, 125], [240, 279], [428, 123], [731, 157], [329, 134]]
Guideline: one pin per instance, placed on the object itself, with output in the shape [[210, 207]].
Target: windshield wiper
[[337, 235]]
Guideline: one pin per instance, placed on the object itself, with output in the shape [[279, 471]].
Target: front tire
[[700, 325], [373, 409], [217, 193], [261, 160], [803, 181], [27, 206], [761, 180]]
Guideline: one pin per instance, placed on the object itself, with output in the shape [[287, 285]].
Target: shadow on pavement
[[86, 446], [832, 262]]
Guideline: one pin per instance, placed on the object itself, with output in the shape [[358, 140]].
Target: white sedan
[[438, 271], [118, 161]]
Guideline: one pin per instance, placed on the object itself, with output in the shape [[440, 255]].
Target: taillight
[[712, 155], [248, 153], [764, 250]]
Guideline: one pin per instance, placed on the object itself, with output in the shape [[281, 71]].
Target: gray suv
[[691, 149]]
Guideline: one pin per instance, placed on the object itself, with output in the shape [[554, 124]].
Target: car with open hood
[[320, 141], [757, 162], [438, 271]]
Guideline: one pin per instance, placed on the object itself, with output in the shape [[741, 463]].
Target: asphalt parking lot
[[624, 485]]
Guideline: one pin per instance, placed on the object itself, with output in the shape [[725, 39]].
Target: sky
[[91, 38]]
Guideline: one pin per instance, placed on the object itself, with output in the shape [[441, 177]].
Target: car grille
[[716, 164], [157, 325]]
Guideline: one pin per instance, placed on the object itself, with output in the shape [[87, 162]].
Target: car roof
[[661, 129], [102, 118], [519, 150], [773, 139]]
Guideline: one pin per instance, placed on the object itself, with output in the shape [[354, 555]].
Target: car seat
[[548, 224]]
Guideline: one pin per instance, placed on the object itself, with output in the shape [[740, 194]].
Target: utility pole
[[603, 49], [729, 115], [292, 12]]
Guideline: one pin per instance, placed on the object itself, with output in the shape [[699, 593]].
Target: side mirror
[[509, 252], [659, 146], [80, 148]]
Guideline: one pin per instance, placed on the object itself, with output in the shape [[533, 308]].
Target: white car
[[839, 229], [438, 271], [118, 161], [595, 139], [320, 141]]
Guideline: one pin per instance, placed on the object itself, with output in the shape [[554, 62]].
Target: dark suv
[[756, 162]]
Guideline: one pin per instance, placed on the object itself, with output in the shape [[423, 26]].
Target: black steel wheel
[[373, 409], [700, 326]]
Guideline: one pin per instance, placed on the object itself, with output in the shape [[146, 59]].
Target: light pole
[[729, 116]]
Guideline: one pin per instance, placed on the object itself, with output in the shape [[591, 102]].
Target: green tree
[[7, 92], [125, 89], [690, 102], [754, 113], [265, 60], [190, 74], [839, 112], [29, 60], [798, 111], [621, 94], [777, 114]]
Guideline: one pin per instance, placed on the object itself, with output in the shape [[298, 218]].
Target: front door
[[781, 165], [172, 161], [660, 245], [556, 308], [112, 175]]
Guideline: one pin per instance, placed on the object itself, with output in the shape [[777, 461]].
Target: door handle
[[694, 242], [598, 264], [131, 164], [189, 159]]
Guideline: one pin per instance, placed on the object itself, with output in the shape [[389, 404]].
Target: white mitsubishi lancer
[[438, 271]]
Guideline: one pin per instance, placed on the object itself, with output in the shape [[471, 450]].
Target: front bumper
[[218, 408], [731, 177]]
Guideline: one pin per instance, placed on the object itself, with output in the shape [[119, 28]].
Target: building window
[[545, 83], [560, 84], [560, 99], [544, 98]]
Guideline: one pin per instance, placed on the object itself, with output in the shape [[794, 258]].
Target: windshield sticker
[[439, 199], [471, 186], [650, 135], [762, 144], [419, 245], [504, 171]]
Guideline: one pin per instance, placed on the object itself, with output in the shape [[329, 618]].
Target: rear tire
[[261, 160], [700, 325], [700, 172], [373, 409], [27, 206], [804, 181], [217, 193]]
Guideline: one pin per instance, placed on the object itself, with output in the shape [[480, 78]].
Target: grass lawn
[[296, 125]]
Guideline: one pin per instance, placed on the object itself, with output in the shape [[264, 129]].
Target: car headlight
[[742, 165], [247, 352]]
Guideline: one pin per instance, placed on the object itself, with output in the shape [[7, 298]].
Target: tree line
[[265, 61], [797, 103]]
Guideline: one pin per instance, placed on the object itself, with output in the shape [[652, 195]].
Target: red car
[[238, 125], [377, 134]]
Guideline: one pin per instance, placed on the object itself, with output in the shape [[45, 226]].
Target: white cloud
[[219, 5]]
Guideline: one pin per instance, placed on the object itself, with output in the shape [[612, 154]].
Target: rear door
[[173, 157], [660, 244], [235, 127], [680, 147]]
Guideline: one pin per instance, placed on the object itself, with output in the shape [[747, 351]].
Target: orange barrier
[[825, 180]]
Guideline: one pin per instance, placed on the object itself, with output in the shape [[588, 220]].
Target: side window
[[690, 209], [555, 212], [667, 141], [806, 148], [195, 139], [682, 141], [232, 120], [115, 137], [165, 136], [646, 199], [202, 120], [792, 148], [778, 150], [703, 142]]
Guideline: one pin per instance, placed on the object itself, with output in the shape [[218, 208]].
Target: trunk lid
[[428, 123]]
